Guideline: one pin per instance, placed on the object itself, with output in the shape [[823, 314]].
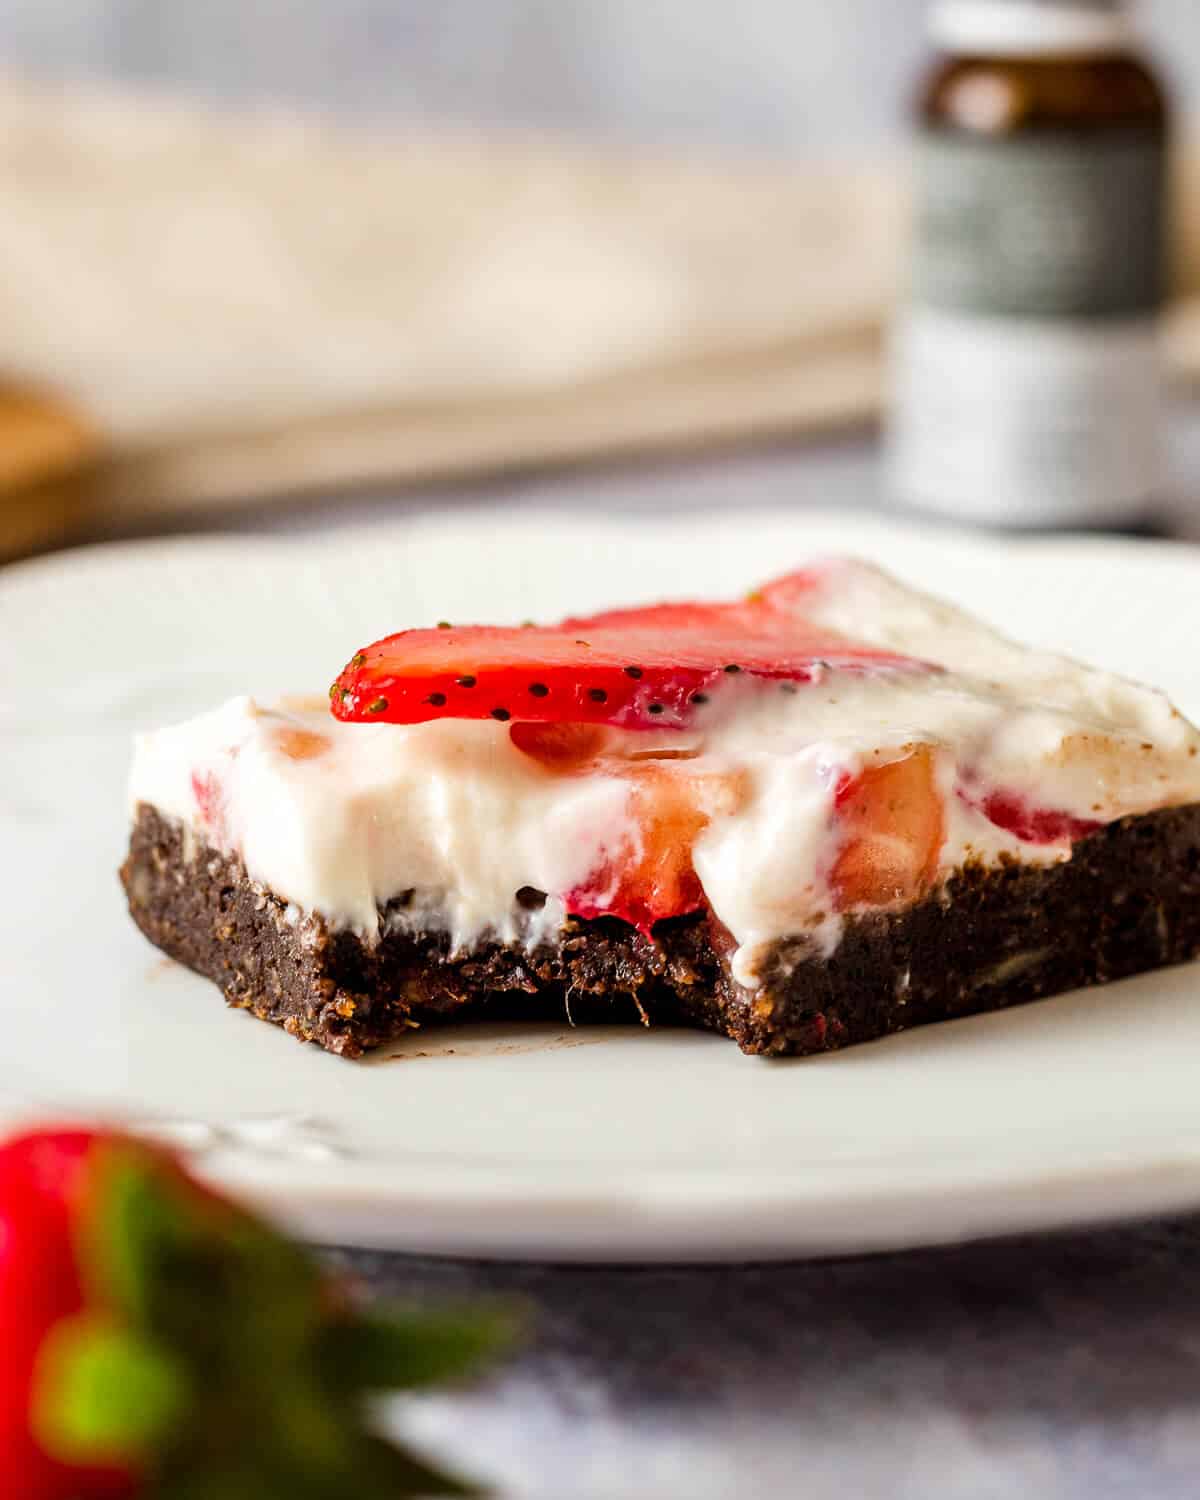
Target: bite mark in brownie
[[1128, 900]]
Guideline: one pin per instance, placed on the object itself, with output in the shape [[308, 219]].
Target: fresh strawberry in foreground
[[40, 1290], [653, 668], [157, 1342]]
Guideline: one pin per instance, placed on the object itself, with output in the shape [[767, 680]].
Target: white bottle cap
[[1031, 28]]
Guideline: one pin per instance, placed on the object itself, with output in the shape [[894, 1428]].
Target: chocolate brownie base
[[1128, 900]]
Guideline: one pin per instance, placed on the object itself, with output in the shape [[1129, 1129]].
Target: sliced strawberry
[[1033, 825], [789, 594], [209, 798], [650, 876], [736, 617], [653, 877], [775, 606], [635, 669], [891, 825], [561, 747]]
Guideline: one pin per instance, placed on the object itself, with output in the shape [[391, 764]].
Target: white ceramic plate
[[548, 1141]]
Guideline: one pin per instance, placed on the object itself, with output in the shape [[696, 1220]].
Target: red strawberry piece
[[649, 876], [209, 799], [653, 877], [890, 824], [775, 606], [562, 747], [658, 667], [1035, 825]]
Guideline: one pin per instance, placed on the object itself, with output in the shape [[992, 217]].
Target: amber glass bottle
[[1027, 387]]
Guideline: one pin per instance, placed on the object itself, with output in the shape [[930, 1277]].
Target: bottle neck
[[1029, 28]]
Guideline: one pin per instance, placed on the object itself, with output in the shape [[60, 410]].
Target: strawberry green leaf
[[394, 1348], [174, 1260], [394, 1472], [369, 1469], [134, 1213]]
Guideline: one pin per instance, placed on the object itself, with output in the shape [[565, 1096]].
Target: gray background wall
[[789, 75]]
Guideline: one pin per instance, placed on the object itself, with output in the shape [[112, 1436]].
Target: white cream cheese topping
[[341, 819]]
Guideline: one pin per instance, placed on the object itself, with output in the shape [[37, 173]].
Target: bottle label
[[1030, 422], [1026, 376], [1046, 225]]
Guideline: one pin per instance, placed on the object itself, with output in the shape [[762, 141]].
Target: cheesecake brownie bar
[[824, 813]]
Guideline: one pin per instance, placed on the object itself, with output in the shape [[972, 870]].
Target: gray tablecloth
[[1064, 1367]]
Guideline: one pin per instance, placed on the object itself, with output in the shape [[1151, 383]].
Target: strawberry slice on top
[[652, 668]]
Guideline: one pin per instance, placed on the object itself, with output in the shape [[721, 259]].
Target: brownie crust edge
[[1127, 901]]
